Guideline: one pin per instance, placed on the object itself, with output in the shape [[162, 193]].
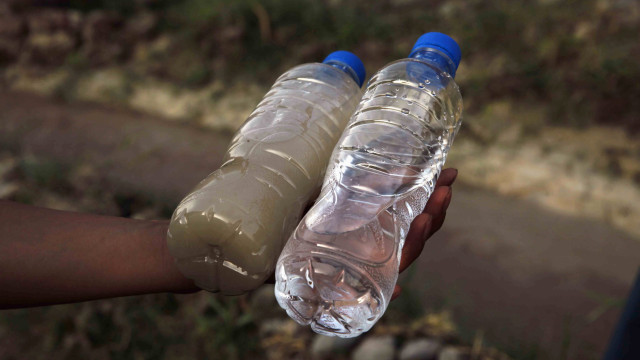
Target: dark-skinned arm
[[51, 257]]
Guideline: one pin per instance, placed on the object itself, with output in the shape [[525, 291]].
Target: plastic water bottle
[[338, 270], [227, 233]]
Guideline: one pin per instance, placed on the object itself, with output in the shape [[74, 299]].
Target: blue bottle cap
[[351, 60], [441, 42]]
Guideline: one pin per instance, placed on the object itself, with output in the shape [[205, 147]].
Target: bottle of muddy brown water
[[228, 232]]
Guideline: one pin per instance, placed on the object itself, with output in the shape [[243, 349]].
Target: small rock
[[420, 349], [149, 213], [325, 347], [7, 164], [8, 190], [277, 326], [271, 326], [379, 348], [453, 353]]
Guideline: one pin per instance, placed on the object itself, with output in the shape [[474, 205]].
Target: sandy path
[[528, 276], [135, 152]]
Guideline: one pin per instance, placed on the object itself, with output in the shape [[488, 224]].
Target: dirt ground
[[523, 276], [528, 277]]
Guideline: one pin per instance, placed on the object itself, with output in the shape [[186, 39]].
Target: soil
[[526, 276], [134, 152]]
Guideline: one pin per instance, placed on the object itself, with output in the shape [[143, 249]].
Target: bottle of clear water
[[227, 233], [339, 268]]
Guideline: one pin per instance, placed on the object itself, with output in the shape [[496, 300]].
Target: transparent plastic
[[227, 233], [338, 270]]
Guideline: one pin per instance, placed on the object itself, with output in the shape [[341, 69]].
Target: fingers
[[440, 199], [418, 233], [435, 205], [441, 192], [431, 219], [438, 209], [427, 223], [437, 223], [447, 177], [396, 292]]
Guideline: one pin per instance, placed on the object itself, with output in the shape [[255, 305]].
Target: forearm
[[49, 256]]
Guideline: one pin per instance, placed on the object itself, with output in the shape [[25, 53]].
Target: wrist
[[168, 274]]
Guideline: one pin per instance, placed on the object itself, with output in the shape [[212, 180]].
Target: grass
[[604, 303], [149, 327], [576, 57], [43, 173]]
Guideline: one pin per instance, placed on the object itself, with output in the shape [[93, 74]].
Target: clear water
[[228, 232], [339, 268]]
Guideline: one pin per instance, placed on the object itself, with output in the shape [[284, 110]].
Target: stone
[[453, 353], [271, 326], [325, 347], [149, 213], [420, 349], [375, 347], [8, 190], [7, 164], [278, 326]]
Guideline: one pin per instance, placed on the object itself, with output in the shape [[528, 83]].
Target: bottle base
[[334, 298]]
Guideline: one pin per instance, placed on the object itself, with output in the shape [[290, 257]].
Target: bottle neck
[[343, 67], [436, 58]]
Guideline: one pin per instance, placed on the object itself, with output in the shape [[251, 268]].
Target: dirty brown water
[[228, 232]]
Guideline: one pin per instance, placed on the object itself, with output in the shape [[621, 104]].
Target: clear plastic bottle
[[338, 270], [227, 233]]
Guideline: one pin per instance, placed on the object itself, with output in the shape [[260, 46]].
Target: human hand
[[428, 222]]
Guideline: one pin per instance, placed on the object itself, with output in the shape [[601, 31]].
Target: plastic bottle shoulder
[[415, 72]]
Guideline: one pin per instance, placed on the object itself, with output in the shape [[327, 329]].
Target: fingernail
[[455, 175], [447, 200]]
